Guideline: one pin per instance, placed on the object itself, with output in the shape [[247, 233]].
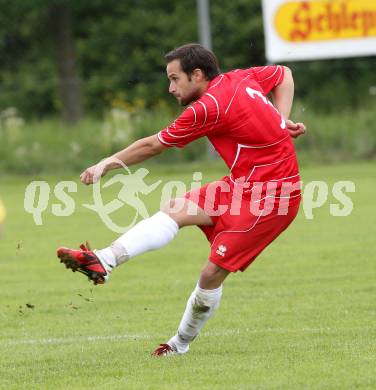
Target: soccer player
[[240, 214]]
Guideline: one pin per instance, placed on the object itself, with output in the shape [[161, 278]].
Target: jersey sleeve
[[268, 77], [198, 120]]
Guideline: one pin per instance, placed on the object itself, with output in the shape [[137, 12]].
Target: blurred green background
[[79, 80]]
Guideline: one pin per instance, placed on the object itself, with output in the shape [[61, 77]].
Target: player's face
[[185, 89]]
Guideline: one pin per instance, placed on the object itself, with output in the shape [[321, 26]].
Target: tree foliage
[[120, 47]]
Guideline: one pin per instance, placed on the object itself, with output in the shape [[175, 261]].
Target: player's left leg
[[201, 305], [149, 234], [241, 247]]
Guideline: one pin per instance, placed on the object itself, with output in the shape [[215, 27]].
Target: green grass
[[302, 317], [344, 136]]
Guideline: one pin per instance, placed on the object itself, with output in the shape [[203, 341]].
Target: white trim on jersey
[[247, 190], [186, 128], [267, 78], [254, 147], [185, 135], [206, 112], [263, 165], [217, 82], [279, 78], [236, 90], [215, 101], [284, 178], [159, 135], [194, 111], [267, 165], [191, 133], [260, 70]]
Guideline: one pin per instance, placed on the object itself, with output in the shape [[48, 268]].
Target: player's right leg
[[149, 234], [201, 305], [241, 248]]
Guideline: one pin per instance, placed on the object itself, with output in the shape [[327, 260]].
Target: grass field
[[302, 317]]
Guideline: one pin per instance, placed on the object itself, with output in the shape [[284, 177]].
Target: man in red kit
[[240, 214]]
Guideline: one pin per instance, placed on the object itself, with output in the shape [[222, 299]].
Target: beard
[[185, 101]]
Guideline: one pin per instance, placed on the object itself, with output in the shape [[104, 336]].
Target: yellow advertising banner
[[321, 20]]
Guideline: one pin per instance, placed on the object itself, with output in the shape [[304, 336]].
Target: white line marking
[[112, 338], [70, 340]]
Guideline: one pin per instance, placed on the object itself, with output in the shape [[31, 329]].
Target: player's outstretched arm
[[137, 152]]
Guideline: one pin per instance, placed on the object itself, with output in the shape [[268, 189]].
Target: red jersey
[[242, 124], [251, 137]]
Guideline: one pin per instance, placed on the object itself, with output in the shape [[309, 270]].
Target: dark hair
[[193, 56]]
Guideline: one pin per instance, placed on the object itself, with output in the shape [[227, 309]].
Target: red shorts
[[241, 233]]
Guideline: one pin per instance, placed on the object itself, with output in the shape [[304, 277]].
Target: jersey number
[[252, 92]]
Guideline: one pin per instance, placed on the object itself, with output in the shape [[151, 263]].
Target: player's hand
[[295, 129], [92, 174]]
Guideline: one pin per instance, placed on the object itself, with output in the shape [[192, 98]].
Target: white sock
[[106, 256], [201, 306], [150, 234]]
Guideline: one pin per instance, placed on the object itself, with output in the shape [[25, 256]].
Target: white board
[[318, 29]]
